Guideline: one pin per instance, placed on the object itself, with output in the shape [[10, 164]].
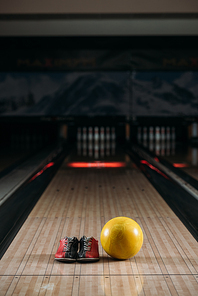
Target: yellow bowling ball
[[121, 237]]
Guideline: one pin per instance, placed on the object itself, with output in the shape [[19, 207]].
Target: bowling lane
[[181, 155], [185, 158], [79, 201], [162, 141], [10, 157], [21, 140]]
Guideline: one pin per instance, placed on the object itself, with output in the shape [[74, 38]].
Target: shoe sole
[[65, 259], [88, 259]]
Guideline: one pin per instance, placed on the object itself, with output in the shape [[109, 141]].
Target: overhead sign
[[98, 60]]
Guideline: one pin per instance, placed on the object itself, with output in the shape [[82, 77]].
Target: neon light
[[156, 159], [153, 168], [96, 164], [180, 165], [50, 164]]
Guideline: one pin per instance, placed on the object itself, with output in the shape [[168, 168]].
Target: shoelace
[[87, 244], [68, 243]]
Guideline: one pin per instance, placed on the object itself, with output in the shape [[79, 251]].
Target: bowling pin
[[157, 147], [90, 148], [96, 149], [90, 136], [102, 148], [90, 141], [113, 135], [96, 134], [102, 135], [151, 136], [157, 133], [84, 134], [84, 141], [107, 141], [107, 147], [107, 133], [168, 133], [84, 147], [144, 133], [163, 133], [96, 142], [162, 140]]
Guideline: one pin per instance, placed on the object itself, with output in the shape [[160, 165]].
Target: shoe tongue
[[70, 239], [85, 238]]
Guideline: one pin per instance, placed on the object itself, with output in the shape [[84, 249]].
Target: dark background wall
[[102, 6], [150, 46]]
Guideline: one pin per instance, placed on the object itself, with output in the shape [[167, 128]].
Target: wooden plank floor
[[79, 202]]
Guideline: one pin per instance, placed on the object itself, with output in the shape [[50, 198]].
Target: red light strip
[[153, 168], [96, 164], [156, 159], [180, 165], [50, 164]]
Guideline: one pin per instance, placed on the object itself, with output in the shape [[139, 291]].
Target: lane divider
[[190, 189]]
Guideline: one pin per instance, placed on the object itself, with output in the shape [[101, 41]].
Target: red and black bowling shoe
[[67, 250], [88, 250]]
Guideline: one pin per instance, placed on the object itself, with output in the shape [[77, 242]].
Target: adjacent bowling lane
[[185, 158], [162, 141], [21, 140], [79, 201], [181, 155], [10, 157]]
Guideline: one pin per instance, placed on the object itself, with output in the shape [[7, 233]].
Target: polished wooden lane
[[79, 202]]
